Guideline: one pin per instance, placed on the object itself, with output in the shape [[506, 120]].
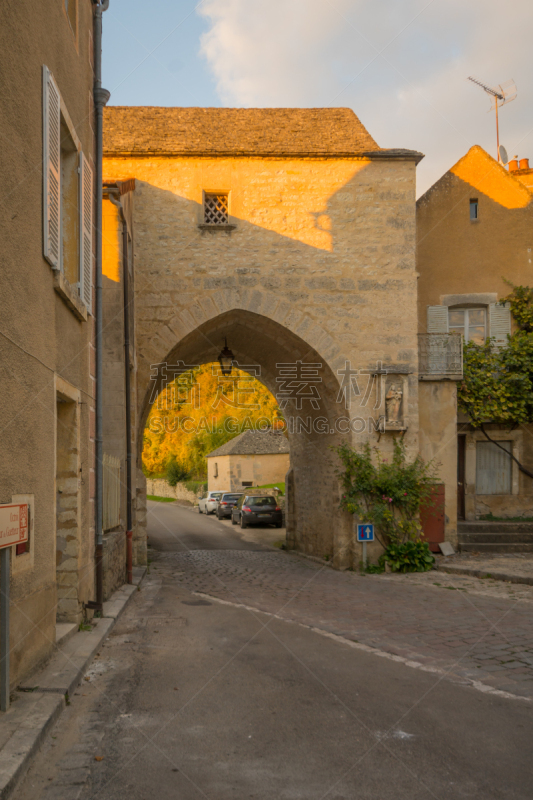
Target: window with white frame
[[68, 195], [216, 209], [471, 322]]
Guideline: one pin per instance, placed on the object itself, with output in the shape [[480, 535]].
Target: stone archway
[[314, 259], [316, 526]]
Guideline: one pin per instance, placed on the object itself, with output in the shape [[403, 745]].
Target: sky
[[401, 65]]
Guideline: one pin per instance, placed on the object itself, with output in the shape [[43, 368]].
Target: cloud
[[402, 67]]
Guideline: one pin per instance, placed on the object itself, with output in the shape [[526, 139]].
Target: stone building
[[475, 230], [290, 233], [253, 458], [118, 296], [46, 344]]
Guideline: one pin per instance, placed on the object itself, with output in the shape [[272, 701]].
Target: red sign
[[13, 524]]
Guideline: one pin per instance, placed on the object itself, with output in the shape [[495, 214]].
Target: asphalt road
[[179, 528], [192, 698]]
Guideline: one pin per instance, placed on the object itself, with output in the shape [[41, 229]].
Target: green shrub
[[410, 556], [195, 486], [176, 473], [386, 493]]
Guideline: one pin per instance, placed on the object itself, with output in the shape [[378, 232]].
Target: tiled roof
[[253, 443], [234, 131]]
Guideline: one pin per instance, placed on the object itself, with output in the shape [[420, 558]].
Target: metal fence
[[440, 354], [111, 476]]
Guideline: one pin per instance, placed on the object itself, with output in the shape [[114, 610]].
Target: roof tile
[[234, 131]]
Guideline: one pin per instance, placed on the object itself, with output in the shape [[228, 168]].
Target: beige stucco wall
[[229, 472], [517, 503], [438, 442], [320, 267], [45, 342]]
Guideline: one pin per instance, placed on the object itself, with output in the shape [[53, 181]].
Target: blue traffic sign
[[365, 533]]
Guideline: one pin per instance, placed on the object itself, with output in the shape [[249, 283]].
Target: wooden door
[[432, 518]]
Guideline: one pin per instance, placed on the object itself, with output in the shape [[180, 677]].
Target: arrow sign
[[365, 533]]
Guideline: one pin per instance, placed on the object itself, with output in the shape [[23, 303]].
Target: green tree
[[498, 381]]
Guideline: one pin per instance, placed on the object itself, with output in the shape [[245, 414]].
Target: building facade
[[475, 233], [121, 509], [253, 458], [290, 233], [46, 333]]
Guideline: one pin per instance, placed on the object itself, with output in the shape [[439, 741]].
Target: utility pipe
[[101, 96], [127, 382]]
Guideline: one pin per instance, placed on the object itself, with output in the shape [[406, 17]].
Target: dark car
[[257, 510], [228, 501]]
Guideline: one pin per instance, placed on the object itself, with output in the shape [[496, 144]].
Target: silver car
[[208, 502]]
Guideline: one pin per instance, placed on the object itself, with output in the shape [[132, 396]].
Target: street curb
[[483, 573], [42, 700], [24, 744]]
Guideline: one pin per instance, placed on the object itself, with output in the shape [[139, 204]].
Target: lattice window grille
[[216, 209]]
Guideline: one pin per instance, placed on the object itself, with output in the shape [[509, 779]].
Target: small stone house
[[474, 230], [254, 458]]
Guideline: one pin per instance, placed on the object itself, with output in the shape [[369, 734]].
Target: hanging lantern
[[226, 359]]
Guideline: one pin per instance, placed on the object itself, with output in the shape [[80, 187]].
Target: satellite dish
[[504, 158]]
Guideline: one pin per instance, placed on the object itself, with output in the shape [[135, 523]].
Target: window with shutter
[[500, 323], [51, 170], [470, 322], [437, 319], [86, 232]]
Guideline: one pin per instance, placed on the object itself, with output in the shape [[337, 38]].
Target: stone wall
[[317, 265], [160, 488], [114, 562]]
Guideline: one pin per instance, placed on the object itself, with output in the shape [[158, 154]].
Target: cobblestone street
[[437, 620]]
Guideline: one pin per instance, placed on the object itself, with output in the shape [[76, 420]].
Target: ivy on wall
[[498, 382]]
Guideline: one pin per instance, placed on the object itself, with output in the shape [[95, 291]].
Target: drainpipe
[[101, 96], [127, 384]]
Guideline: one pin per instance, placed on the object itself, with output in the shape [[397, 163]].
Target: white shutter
[[86, 232], [51, 170], [437, 319], [500, 323]]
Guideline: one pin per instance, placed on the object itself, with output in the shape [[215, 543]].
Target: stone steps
[[495, 547], [482, 526], [495, 537]]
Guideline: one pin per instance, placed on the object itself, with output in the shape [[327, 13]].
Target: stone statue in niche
[[393, 404]]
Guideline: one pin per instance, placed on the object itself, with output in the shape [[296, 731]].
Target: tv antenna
[[500, 95]]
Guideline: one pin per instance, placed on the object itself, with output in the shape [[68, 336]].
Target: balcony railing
[[440, 355]]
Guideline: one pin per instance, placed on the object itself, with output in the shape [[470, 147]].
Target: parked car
[[257, 510], [208, 502], [227, 501]]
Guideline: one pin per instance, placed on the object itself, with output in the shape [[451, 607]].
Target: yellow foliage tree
[[200, 411]]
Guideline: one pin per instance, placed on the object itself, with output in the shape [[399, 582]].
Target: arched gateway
[[290, 233]]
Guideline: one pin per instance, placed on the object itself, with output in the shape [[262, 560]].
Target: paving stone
[[455, 631]]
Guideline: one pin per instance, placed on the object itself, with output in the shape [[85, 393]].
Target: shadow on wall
[[320, 280]]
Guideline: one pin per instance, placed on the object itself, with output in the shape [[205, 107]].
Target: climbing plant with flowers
[[388, 494]]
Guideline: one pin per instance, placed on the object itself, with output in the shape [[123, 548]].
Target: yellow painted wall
[[458, 256]]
